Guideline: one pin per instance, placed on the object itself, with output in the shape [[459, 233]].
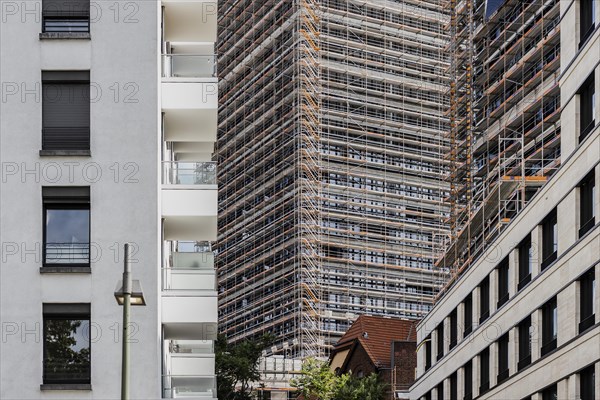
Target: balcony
[[189, 66], [189, 200], [190, 370], [189, 296], [189, 173], [190, 271]]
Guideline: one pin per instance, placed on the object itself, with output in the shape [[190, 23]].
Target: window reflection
[[67, 236], [66, 350]]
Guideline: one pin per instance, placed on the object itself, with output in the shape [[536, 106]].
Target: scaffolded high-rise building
[[504, 116], [331, 150]]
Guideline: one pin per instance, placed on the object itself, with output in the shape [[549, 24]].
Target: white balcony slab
[[190, 21], [189, 95], [191, 364], [189, 310], [191, 125]]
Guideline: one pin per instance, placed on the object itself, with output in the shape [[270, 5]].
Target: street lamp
[[128, 293]]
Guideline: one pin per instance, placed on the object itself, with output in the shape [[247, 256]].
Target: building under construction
[[504, 116], [333, 137]]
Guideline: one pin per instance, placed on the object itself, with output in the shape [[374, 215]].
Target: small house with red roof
[[382, 345]]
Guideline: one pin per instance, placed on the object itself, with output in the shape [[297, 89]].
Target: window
[[502, 282], [587, 382], [549, 239], [525, 331], [484, 370], [587, 303], [468, 312], [587, 104], [65, 16], [454, 386], [427, 396], [66, 343], [428, 352], [587, 212], [440, 340], [468, 369], [549, 327], [525, 261], [503, 358], [66, 226], [453, 328], [484, 299], [65, 110], [550, 393], [587, 13], [440, 390]]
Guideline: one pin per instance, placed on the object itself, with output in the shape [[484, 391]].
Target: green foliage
[[237, 366], [318, 382]]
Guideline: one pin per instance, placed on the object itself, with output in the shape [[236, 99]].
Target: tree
[[237, 366], [318, 382]]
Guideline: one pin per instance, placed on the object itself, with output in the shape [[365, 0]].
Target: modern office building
[[107, 124], [522, 321], [331, 146]]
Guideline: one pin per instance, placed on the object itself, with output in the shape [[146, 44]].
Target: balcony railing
[[67, 253], [189, 279], [181, 387], [189, 66], [189, 173]]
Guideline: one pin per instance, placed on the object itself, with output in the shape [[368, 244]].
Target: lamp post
[[128, 293]]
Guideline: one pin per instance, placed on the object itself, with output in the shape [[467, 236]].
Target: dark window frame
[[587, 383], [484, 299], [549, 327], [587, 99], [428, 353], [439, 390], [550, 393], [503, 282], [503, 358], [440, 341], [468, 380], [454, 386], [468, 315], [453, 329], [587, 212], [525, 261], [73, 132], [66, 311], [587, 23], [549, 239], [587, 300], [484, 370], [525, 343], [65, 198], [65, 16]]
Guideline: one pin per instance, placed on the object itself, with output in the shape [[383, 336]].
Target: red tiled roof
[[376, 335]]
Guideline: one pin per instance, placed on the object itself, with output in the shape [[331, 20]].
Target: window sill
[[65, 269], [65, 386], [65, 35], [66, 153]]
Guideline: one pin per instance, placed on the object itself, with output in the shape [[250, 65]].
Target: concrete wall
[[123, 174]]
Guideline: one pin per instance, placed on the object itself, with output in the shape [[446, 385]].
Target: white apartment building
[[523, 322], [108, 118]]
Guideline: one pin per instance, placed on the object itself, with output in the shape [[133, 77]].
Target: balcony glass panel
[[189, 173], [189, 66]]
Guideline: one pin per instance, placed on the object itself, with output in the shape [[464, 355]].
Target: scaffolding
[[331, 144], [504, 117]]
